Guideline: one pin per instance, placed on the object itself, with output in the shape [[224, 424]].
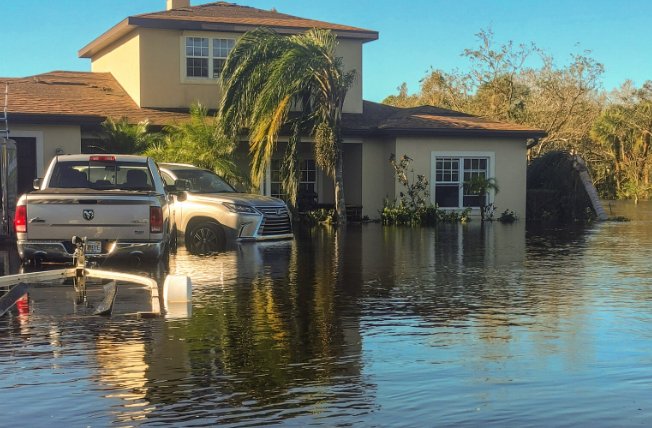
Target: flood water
[[459, 325]]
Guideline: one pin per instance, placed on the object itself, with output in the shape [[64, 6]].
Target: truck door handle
[[36, 220]]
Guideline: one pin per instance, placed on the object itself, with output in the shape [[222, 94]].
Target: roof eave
[[105, 39], [129, 24], [56, 119], [182, 24], [447, 132]]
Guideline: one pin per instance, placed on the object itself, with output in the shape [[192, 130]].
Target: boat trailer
[[176, 288]]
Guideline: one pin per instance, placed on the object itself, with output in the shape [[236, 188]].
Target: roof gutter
[[57, 119], [533, 142], [534, 135]]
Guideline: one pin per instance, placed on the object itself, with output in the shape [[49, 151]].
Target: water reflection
[[479, 324], [269, 336]]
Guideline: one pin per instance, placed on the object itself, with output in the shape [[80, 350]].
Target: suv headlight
[[238, 208]]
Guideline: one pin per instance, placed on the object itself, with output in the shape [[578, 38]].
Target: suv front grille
[[276, 221]]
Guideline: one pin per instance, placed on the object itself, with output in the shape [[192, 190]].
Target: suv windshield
[[202, 181], [101, 175]]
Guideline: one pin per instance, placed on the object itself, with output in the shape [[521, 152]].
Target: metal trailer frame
[[79, 273]]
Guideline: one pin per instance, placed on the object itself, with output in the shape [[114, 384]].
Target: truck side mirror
[[37, 183]]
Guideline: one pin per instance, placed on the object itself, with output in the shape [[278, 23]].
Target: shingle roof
[[89, 98], [74, 97], [224, 12], [389, 120], [220, 16]]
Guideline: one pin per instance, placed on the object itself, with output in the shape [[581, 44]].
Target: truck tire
[[205, 238]]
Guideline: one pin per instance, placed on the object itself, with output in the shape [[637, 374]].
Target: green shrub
[[400, 214], [507, 216]]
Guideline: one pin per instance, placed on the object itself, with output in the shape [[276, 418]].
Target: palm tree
[[479, 185], [272, 81], [120, 136], [198, 141]]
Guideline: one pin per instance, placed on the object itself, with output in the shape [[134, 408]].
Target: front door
[[26, 157]]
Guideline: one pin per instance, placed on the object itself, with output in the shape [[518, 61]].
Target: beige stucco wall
[[352, 155], [510, 164], [49, 138], [377, 175], [150, 65], [163, 79], [351, 53], [122, 60]]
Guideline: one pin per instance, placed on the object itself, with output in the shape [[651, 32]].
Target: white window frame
[[201, 56], [268, 177], [212, 38], [461, 155]]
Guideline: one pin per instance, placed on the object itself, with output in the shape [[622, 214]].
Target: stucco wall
[[510, 164], [351, 53], [122, 60], [352, 177], [150, 65], [377, 175], [49, 138], [163, 79]]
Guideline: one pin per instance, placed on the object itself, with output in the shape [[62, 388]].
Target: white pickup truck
[[118, 203]]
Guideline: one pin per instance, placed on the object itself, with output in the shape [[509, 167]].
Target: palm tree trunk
[[338, 181]]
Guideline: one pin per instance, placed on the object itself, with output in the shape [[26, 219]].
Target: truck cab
[[118, 203]]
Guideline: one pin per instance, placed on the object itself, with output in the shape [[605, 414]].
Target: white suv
[[209, 211]]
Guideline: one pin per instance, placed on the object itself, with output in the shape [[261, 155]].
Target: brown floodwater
[[458, 325]]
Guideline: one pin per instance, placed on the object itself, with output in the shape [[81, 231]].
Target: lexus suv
[[209, 212]]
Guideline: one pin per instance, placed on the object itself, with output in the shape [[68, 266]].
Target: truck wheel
[[205, 238]]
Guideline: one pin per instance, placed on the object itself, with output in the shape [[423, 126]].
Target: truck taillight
[[102, 158], [20, 219], [155, 220]]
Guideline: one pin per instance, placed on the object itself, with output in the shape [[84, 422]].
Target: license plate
[[93, 247]]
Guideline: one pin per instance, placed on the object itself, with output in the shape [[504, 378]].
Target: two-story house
[[153, 66]]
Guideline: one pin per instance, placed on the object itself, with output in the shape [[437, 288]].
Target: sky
[[415, 35]]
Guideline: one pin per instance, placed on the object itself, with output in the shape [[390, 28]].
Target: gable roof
[[69, 97], [77, 98], [220, 16], [382, 119]]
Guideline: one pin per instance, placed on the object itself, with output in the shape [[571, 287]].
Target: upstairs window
[[205, 57], [221, 49], [196, 57]]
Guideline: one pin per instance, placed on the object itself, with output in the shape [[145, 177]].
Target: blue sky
[[415, 35]]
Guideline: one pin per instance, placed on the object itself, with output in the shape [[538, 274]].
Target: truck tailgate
[[55, 217]]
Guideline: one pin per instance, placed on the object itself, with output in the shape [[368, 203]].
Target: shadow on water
[[479, 324]]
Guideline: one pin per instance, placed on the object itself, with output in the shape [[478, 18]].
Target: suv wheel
[[205, 238]]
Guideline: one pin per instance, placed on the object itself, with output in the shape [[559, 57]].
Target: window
[[206, 57], [196, 57], [307, 177], [275, 180], [101, 175], [221, 49], [474, 167], [451, 172]]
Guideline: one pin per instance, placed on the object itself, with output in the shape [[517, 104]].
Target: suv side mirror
[[182, 185], [37, 183]]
